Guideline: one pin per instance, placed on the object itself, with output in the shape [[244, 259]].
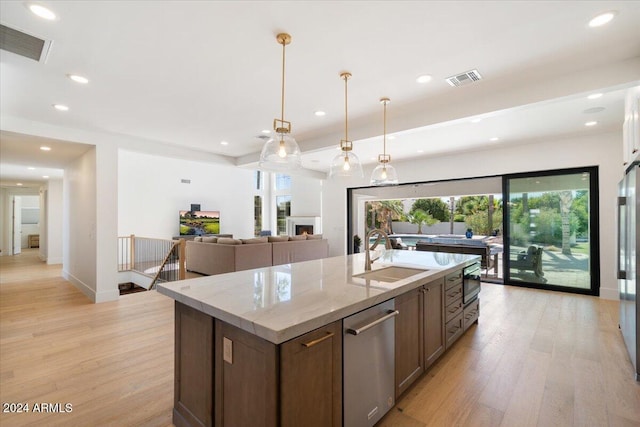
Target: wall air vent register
[[464, 78], [24, 44]]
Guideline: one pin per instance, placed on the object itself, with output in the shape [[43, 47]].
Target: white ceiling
[[195, 73]]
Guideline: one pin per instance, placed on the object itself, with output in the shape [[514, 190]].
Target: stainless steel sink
[[390, 274]]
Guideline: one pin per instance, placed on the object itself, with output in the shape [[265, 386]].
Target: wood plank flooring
[[535, 359]]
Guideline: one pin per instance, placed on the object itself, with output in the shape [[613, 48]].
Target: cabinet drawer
[[452, 294], [453, 310], [454, 329], [452, 279], [471, 313]]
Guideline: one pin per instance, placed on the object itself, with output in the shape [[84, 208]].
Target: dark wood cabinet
[[246, 378], [471, 314], [409, 351], [193, 383], [453, 307], [225, 376], [311, 378], [434, 342]]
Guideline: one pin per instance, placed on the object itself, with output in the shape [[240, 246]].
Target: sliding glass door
[[551, 230]]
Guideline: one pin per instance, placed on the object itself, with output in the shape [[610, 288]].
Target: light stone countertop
[[285, 301]]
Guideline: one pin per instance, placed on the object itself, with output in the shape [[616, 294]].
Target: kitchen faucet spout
[[387, 244]]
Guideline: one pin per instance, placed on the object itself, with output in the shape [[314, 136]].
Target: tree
[[565, 209], [435, 207], [418, 216], [384, 212]]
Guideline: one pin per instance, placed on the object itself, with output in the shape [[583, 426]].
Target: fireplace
[[297, 225], [304, 229]]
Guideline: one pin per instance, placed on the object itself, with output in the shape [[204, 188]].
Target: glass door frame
[[594, 230]]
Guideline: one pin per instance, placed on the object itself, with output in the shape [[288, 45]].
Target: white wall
[[79, 224], [150, 194], [603, 150], [53, 235], [306, 196]]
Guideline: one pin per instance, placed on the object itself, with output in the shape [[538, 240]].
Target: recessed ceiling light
[[266, 131], [593, 123], [424, 78], [420, 151], [60, 107], [45, 176], [494, 139], [31, 168], [78, 79], [224, 143], [320, 113], [476, 120], [19, 184], [391, 137], [594, 96], [602, 19], [45, 148], [42, 12]]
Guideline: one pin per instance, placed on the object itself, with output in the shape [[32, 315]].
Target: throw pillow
[[254, 240], [229, 241], [278, 238], [197, 239], [314, 236], [209, 239]]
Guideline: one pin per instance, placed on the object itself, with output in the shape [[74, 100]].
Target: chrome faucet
[[387, 244]]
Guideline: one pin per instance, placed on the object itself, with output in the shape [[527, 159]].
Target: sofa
[[211, 255]]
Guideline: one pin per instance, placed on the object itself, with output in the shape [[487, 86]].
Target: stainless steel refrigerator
[[629, 261]]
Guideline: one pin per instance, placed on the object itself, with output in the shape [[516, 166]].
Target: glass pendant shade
[[384, 174], [281, 152], [346, 164]]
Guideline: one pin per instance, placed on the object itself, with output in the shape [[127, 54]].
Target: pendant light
[[384, 173], [281, 152], [346, 163]]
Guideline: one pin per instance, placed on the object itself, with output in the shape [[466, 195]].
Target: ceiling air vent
[[464, 78], [24, 44]]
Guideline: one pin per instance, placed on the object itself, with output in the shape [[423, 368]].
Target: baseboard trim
[[610, 294], [80, 285]]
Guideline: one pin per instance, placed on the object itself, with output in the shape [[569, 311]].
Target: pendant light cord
[[346, 121], [282, 110], [384, 134]]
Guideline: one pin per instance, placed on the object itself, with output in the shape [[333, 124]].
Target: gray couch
[[216, 256]]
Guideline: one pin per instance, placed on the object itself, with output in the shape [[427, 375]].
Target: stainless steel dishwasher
[[369, 364]]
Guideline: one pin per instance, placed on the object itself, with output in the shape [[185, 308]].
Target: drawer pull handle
[[318, 341]]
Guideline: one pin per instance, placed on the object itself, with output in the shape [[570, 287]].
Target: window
[[257, 214], [283, 182], [283, 206], [549, 224]]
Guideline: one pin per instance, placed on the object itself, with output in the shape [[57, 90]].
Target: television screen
[[199, 222]]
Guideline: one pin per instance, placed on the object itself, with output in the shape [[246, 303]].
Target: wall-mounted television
[[199, 222]]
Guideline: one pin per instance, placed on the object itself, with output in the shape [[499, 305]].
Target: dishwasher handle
[[389, 315]]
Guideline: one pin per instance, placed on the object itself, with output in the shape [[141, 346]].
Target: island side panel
[[193, 384], [246, 378]]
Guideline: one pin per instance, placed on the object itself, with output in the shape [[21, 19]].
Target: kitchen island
[[264, 346]]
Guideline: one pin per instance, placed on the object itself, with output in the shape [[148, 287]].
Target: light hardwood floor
[[536, 358]]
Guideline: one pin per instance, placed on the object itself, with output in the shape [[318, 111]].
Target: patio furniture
[[479, 246], [531, 260]]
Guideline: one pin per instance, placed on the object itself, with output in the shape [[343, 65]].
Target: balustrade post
[[183, 259]]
